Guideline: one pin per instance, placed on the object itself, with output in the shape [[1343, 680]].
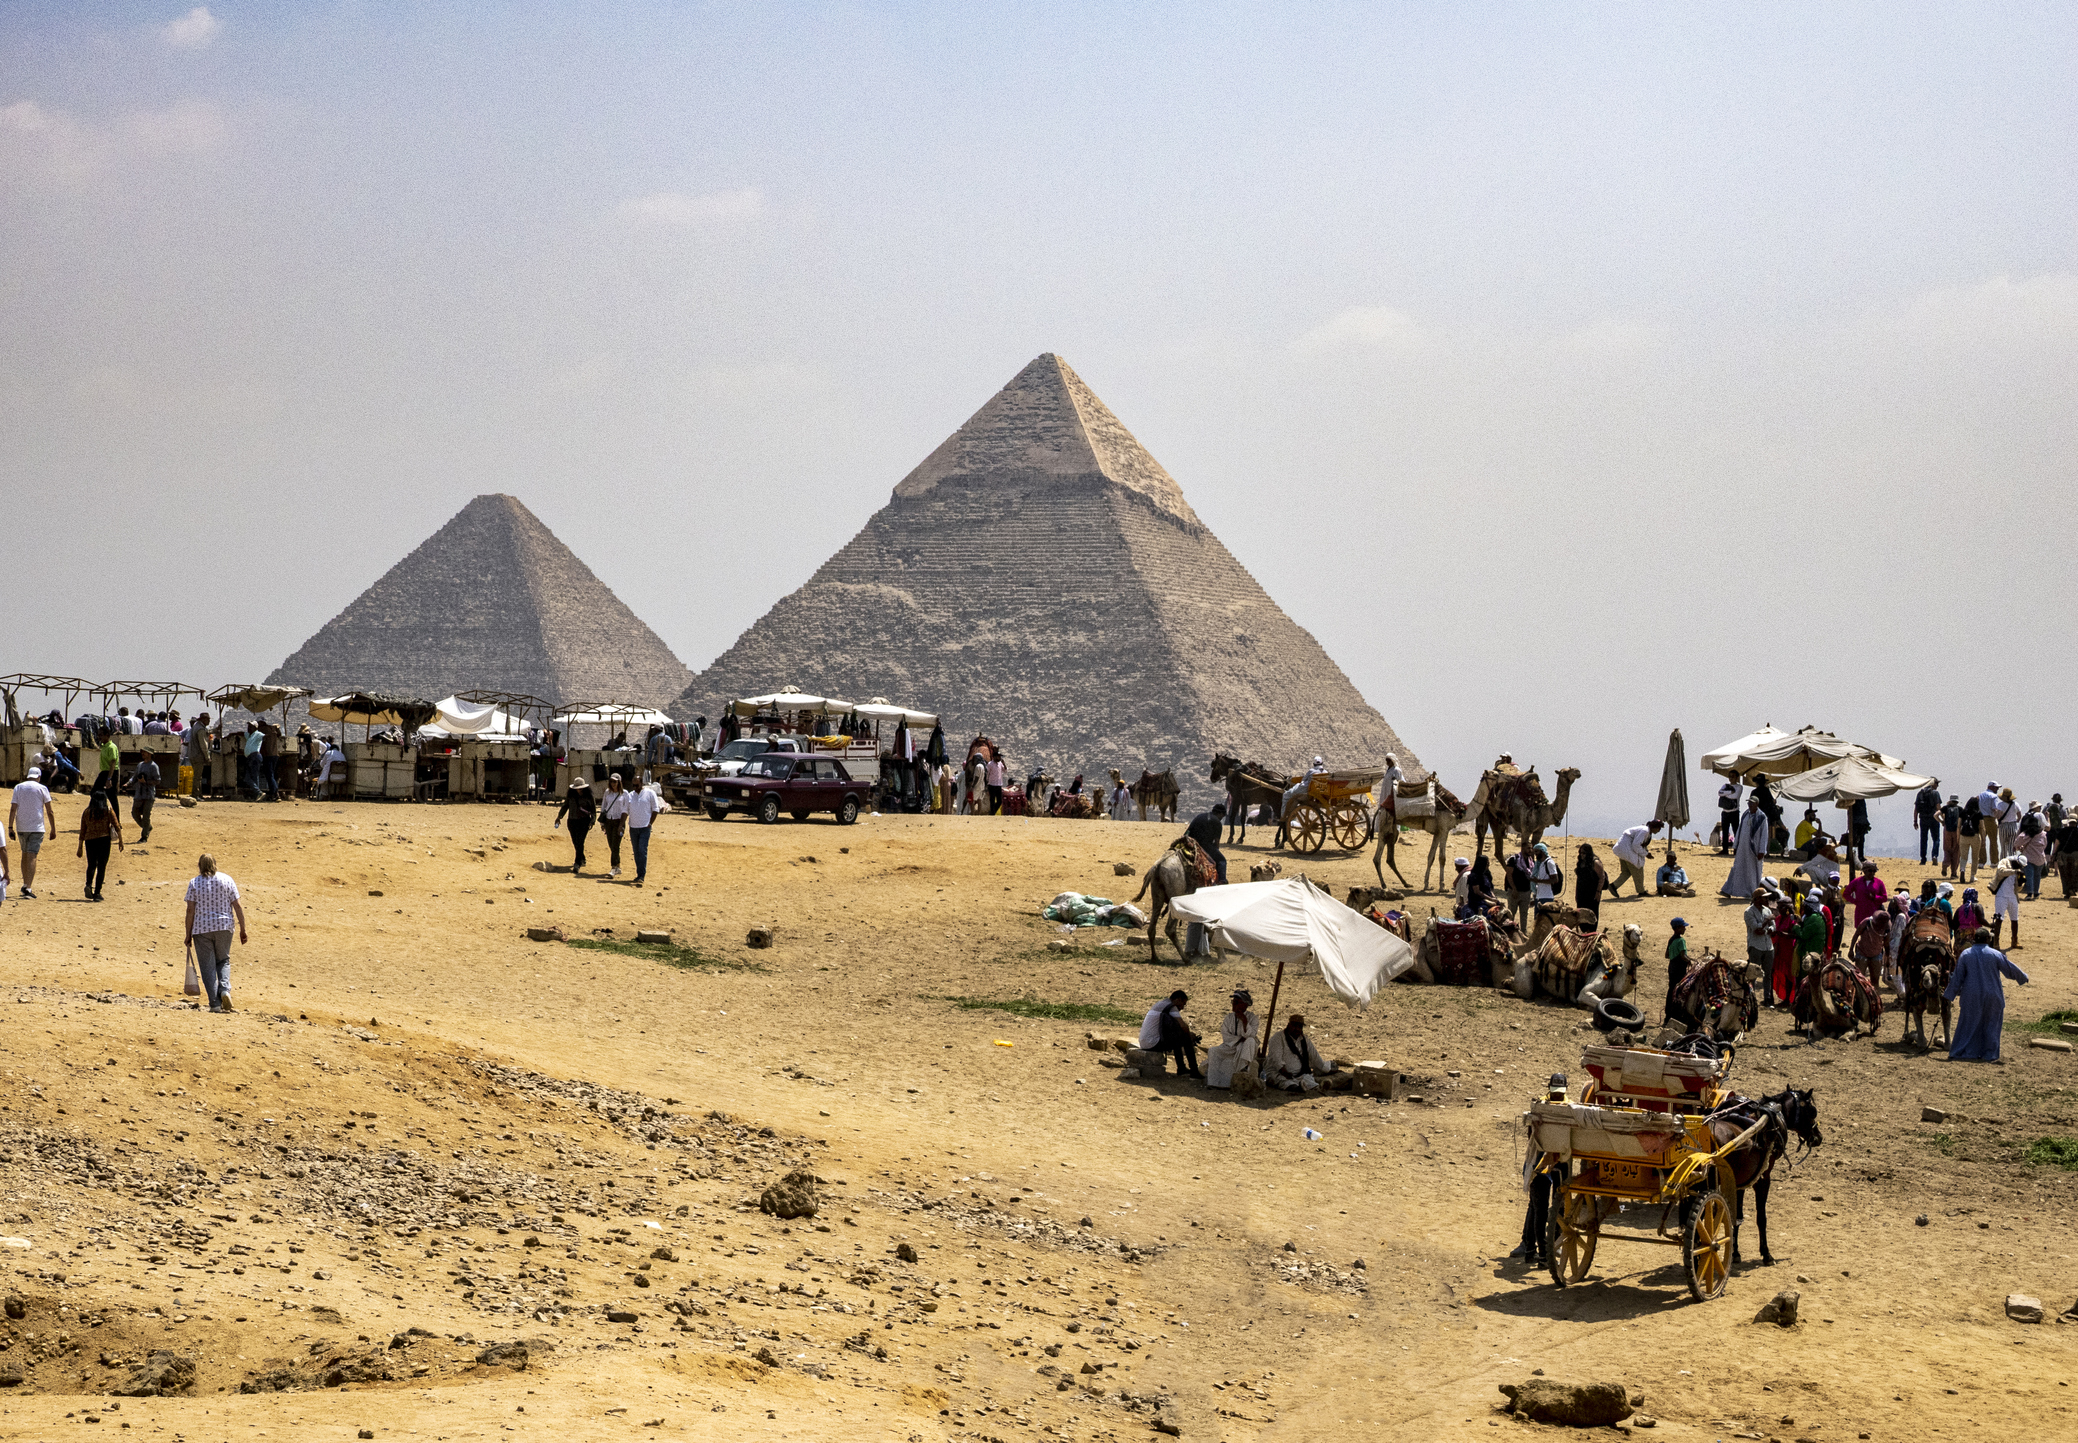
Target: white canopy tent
[[789, 699], [879, 709], [1290, 920], [612, 714], [1774, 753], [455, 718], [1851, 779]]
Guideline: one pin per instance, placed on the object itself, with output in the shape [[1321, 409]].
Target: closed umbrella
[[1673, 802]]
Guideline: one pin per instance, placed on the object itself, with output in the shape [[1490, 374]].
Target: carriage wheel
[[1309, 828], [1351, 825], [1571, 1230], [1706, 1244]]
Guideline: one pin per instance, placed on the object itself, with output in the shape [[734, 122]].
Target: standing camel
[[1249, 784], [1517, 804], [1449, 811], [1157, 790], [1170, 878]]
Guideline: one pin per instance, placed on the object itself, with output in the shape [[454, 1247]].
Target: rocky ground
[[436, 1180]]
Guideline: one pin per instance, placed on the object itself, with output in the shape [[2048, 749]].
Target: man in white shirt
[[30, 818], [643, 805], [1987, 827], [1546, 876], [1634, 850]]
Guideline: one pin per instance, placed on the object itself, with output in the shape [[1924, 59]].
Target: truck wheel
[[768, 811], [847, 811]]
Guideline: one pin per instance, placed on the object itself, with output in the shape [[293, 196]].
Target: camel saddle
[[1709, 984], [1510, 790], [1564, 960], [1197, 862], [1461, 953], [1412, 801]]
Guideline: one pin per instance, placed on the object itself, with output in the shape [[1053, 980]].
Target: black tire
[[768, 811], [847, 811], [717, 814], [799, 816], [1613, 1012]]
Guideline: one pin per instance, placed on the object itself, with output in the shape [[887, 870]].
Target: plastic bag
[[193, 986]]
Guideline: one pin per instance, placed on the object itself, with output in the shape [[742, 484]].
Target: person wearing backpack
[[1951, 837], [1971, 830], [1926, 815], [2031, 845]]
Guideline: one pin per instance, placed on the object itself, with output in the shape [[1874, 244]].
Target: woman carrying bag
[[583, 809]]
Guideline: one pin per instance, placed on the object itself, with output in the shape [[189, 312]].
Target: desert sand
[[419, 1119]]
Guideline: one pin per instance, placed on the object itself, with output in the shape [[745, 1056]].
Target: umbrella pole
[[1262, 1048]]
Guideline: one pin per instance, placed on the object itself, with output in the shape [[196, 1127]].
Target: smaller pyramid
[[491, 601]]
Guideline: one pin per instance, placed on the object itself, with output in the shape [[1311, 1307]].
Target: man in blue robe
[[1982, 1013]]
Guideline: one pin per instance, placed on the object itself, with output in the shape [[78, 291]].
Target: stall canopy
[[373, 708], [256, 699], [879, 709], [1851, 779], [611, 714], [1773, 753], [455, 718], [21, 683], [788, 698], [1290, 920]]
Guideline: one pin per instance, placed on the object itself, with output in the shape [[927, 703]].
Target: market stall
[[623, 726], [132, 748], [25, 734], [476, 746], [257, 699], [384, 767]]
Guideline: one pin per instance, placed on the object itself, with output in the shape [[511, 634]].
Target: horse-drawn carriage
[[1335, 807], [1653, 1130]]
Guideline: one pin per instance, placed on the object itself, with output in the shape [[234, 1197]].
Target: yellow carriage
[[1641, 1139], [1334, 808]]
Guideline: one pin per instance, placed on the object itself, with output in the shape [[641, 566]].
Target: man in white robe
[[1749, 854], [1236, 1049], [1293, 1062]]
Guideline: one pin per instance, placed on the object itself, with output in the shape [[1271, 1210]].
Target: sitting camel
[[1719, 999], [1452, 953], [1835, 999], [1579, 968]]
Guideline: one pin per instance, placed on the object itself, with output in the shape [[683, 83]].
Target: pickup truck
[[789, 782]]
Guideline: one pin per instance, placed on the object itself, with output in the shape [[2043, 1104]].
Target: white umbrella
[[1850, 779], [789, 698], [1291, 919], [1773, 753]]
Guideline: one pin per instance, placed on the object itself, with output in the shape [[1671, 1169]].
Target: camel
[[1428, 954], [1170, 878], [1582, 971], [1836, 1000], [1157, 790], [1439, 823], [1925, 958], [1718, 999], [1248, 784], [1517, 804]]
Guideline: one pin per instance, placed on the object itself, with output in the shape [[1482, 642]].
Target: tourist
[[1237, 1032], [1728, 816], [213, 905], [5, 878], [157, 726], [2005, 899], [1813, 932], [1479, 890], [1926, 815], [100, 824], [1835, 910], [1971, 827], [1590, 881], [1951, 837], [643, 805], [58, 772], [1969, 915], [249, 761], [1633, 851], [582, 808], [1857, 830], [1672, 878], [195, 751], [110, 761], [1677, 958], [1519, 886], [1930, 895], [1760, 941], [995, 776], [123, 723], [270, 760], [2031, 844], [1546, 876], [1975, 985], [144, 791], [30, 818], [1750, 853], [1867, 893], [1461, 887], [659, 752], [2006, 820], [613, 820], [1121, 799], [1293, 1063], [1163, 1030]]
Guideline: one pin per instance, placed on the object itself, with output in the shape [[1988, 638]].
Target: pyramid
[[1042, 579], [491, 601]]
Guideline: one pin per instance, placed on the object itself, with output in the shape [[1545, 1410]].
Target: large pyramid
[[1041, 578], [491, 601]]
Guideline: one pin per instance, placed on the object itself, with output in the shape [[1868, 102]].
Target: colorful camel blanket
[[1197, 862], [1710, 984], [1564, 960], [1461, 949], [1852, 996]]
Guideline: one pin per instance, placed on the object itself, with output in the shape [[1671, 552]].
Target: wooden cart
[[1640, 1140], [1334, 808]]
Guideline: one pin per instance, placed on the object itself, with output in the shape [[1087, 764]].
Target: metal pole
[[1262, 1049]]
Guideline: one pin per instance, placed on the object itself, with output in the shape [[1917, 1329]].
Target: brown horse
[[1249, 784], [1753, 1166]]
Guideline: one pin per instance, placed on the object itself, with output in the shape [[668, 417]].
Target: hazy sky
[[1573, 372]]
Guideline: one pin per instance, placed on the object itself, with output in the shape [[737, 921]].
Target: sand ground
[[420, 1119]]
